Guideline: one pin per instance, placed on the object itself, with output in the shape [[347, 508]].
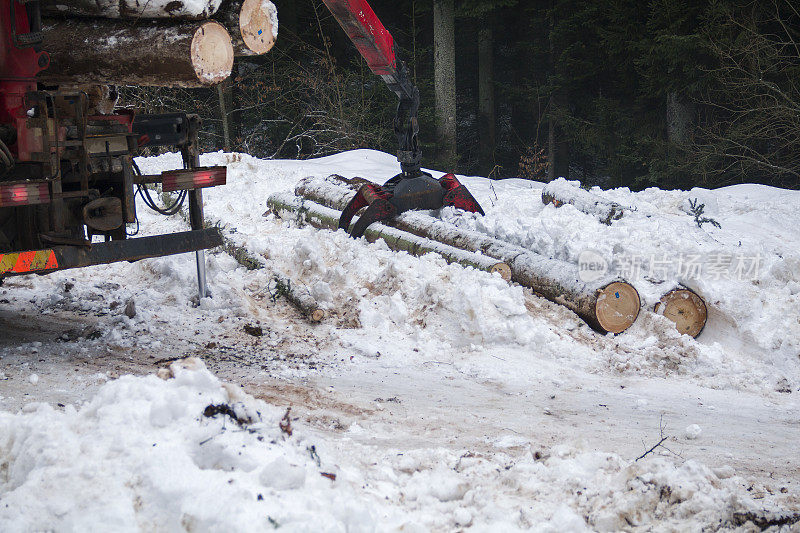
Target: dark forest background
[[667, 93]]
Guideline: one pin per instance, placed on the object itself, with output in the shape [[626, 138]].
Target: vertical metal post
[[191, 159], [196, 219]]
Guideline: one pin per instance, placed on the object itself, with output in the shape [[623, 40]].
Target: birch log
[[116, 52], [253, 25], [303, 211], [608, 305], [685, 308], [300, 298], [120, 9], [560, 192]]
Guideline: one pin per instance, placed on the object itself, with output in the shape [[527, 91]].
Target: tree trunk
[[304, 211], [605, 304], [114, 52], [222, 89], [679, 119], [560, 144], [551, 143], [560, 192], [486, 112], [444, 58], [253, 25], [234, 105], [557, 144], [551, 121], [131, 9]]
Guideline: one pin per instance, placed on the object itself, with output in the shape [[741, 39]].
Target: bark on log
[[253, 25], [300, 298], [560, 192], [120, 9], [157, 53], [303, 211], [607, 305], [686, 309]]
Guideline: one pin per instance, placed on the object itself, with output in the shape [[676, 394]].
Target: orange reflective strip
[[28, 261], [24, 262]]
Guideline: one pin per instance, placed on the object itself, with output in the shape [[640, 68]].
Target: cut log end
[[212, 53], [503, 269], [257, 24], [317, 315], [686, 309], [617, 306]]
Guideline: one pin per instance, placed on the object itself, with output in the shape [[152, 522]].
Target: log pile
[[560, 192], [304, 211], [608, 305], [163, 43]]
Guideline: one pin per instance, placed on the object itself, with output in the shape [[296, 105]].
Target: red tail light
[[198, 178], [16, 194]]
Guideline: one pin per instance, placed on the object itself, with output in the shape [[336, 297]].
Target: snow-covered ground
[[438, 397]]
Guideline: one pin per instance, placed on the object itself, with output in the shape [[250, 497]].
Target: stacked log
[[117, 52], [303, 211], [253, 25], [560, 192], [132, 9], [685, 308], [159, 43], [608, 305]]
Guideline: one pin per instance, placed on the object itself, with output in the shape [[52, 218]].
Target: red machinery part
[[373, 41], [18, 66], [17, 194], [197, 178]]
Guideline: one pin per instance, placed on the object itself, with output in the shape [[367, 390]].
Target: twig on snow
[[660, 442]]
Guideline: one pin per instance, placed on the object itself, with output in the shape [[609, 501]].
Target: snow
[[564, 191], [270, 8], [692, 432], [439, 396], [144, 453]]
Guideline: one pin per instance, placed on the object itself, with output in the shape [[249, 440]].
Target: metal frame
[[131, 250]]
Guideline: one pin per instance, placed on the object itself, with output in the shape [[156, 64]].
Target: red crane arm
[[373, 41], [376, 45]]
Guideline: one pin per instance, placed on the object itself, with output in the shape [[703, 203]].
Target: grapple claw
[[458, 196], [366, 194], [379, 209], [401, 194]]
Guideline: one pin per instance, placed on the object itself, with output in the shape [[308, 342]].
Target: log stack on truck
[[67, 177]]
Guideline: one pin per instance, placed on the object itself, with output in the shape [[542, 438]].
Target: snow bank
[[142, 455], [192, 453], [408, 308], [751, 341]]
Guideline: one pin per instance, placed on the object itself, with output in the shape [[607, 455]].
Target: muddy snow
[[433, 397]]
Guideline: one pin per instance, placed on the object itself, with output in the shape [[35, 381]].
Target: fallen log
[[560, 192], [252, 24], [117, 52], [120, 9], [290, 207], [606, 304], [300, 298], [685, 308]]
